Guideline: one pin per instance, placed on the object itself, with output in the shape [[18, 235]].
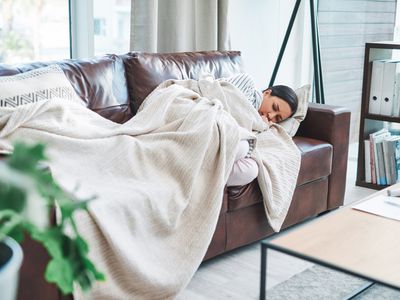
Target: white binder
[[396, 97], [375, 93], [388, 87]]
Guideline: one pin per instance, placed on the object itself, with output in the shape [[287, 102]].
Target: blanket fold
[[158, 178]]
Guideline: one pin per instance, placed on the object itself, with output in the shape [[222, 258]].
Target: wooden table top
[[356, 241]]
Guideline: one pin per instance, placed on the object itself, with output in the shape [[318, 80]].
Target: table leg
[[263, 277], [359, 291]]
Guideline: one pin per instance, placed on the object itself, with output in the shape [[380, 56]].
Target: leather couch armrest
[[330, 124]]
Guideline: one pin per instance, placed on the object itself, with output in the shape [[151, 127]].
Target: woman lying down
[[275, 104]]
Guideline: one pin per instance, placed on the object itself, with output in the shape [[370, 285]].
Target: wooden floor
[[235, 275]]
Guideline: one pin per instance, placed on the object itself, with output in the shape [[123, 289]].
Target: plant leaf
[[92, 269], [26, 157], [12, 197], [9, 220], [83, 251], [81, 245], [59, 271], [51, 238], [68, 208]]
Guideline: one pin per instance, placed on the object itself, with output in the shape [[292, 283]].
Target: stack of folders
[[384, 96], [382, 158]]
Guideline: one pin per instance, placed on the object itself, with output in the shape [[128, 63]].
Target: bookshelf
[[372, 122]]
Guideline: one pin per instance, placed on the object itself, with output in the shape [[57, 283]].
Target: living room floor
[[235, 275]]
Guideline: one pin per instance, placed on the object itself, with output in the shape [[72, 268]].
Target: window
[[34, 30], [111, 26], [40, 30], [99, 27]]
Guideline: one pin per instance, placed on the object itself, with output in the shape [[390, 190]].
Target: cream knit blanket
[[277, 156], [158, 178]]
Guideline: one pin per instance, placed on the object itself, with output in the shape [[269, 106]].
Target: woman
[[275, 104]]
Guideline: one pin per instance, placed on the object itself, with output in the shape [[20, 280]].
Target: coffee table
[[348, 240]]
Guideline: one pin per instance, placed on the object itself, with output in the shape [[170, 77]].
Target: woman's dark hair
[[287, 94]]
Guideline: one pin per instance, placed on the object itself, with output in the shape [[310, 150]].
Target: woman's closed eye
[[276, 109]]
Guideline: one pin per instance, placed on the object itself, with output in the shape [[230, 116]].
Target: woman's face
[[273, 108]]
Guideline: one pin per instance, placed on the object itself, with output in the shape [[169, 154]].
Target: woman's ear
[[267, 92]]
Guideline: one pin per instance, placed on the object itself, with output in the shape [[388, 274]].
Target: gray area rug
[[322, 283]]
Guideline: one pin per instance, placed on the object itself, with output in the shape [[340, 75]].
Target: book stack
[[382, 158], [384, 96]]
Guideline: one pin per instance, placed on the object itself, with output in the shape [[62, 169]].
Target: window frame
[[81, 17]]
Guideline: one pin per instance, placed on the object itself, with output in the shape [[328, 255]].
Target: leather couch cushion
[[250, 224], [244, 196], [316, 158], [145, 71], [100, 82]]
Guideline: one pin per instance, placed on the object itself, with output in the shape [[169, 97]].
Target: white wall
[[257, 29], [396, 36]]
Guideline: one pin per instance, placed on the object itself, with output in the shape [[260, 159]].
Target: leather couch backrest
[[100, 82], [145, 71], [115, 86]]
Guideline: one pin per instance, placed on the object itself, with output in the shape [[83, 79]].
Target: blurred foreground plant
[[28, 192]]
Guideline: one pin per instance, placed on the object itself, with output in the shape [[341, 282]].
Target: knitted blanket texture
[[158, 178]]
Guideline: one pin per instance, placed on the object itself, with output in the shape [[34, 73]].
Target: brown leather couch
[[115, 86]]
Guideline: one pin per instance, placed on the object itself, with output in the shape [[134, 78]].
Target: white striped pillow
[[44, 83], [292, 124]]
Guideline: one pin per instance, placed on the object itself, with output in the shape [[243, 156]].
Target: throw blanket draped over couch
[[159, 191]]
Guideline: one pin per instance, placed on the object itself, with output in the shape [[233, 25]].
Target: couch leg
[[327, 211]]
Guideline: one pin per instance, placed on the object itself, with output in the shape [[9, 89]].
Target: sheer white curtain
[[179, 25]]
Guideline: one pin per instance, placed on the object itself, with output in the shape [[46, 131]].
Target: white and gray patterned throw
[[36, 85]]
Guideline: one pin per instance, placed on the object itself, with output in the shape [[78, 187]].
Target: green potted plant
[[27, 194]]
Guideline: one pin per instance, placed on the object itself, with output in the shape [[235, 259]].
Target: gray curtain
[[179, 25]]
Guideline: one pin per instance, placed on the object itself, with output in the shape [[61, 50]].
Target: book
[[389, 147], [376, 137], [380, 164], [367, 161], [397, 159]]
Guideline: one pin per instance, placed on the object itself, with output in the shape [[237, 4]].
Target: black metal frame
[[265, 245], [318, 82], [70, 27]]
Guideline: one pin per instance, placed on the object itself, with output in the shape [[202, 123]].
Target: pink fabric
[[245, 169]]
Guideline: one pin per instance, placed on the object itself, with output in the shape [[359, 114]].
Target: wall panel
[[344, 28]]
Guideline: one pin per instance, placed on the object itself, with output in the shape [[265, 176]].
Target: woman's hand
[[265, 119]]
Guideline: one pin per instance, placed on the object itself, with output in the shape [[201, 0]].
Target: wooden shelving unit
[[371, 122]]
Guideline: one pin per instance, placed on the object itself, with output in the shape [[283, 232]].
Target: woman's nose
[[271, 115]]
